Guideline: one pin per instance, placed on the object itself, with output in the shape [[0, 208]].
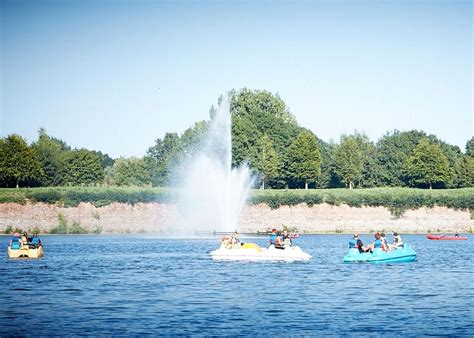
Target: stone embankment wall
[[157, 217]]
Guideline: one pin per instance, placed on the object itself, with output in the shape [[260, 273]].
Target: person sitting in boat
[[231, 241], [397, 240], [234, 239], [287, 239], [35, 242], [384, 239], [456, 235], [377, 244], [24, 239], [273, 237], [279, 244], [15, 242], [356, 243]]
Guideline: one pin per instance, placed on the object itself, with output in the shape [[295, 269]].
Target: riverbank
[[164, 218]]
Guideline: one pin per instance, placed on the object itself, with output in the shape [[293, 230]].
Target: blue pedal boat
[[399, 255]]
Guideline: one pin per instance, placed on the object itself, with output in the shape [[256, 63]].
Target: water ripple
[[132, 285]]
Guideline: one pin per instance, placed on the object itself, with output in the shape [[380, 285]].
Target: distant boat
[[446, 238]]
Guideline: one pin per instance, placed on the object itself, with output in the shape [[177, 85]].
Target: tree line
[[265, 136]]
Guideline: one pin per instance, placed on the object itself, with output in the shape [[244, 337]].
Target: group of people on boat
[[280, 239], [379, 242], [18, 242], [231, 241]]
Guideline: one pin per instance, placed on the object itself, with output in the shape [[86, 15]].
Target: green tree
[[129, 172], [82, 167], [19, 163], [303, 159], [255, 113], [245, 136], [370, 176], [428, 165], [328, 177], [191, 140], [470, 147], [162, 158], [464, 172], [268, 162], [349, 160], [105, 159], [268, 113], [393, 150], [50, 151]]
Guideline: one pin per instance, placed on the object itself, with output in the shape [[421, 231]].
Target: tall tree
[[82, 167], [268, 162], [328, 177], [464, 172], [428, 165], [349, 160], [470, 147], [393, 150], [370, 176], [19, 163], [255, 113], [129, 172], [303, 160], [50, 151], [162, 158]]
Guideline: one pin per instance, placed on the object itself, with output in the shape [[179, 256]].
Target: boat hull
[[255, 253], [446, 238], [25, 252], [400, 255]]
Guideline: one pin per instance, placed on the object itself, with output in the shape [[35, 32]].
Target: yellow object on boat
[[26, 252], [251, 246]]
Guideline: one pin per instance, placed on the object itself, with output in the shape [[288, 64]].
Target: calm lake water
[[136, 285]]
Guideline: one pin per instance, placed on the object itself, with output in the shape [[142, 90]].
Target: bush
[[397, 200], [62, 226], [36, 231], [77, 229], [9, 230]]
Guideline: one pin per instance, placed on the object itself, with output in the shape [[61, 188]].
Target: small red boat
[[446, 238]]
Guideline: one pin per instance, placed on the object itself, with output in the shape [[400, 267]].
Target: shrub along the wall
[[396, 199]]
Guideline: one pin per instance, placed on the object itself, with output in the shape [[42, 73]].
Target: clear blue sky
[[116, 75]]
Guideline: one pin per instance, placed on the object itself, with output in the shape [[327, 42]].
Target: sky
[[116, 75]]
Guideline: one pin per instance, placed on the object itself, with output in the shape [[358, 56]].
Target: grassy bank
[[396, 199], [98, 196]]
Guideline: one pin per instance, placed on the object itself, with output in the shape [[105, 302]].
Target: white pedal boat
[[253, 252]]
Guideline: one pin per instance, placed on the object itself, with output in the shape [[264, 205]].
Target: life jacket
[[353, 244], [35, 240], [15, 243], [378, 244], [273, 238]]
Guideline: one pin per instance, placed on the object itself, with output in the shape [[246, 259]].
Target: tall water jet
[[213, 193]]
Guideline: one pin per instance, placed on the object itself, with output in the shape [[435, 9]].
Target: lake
[[137, 285]]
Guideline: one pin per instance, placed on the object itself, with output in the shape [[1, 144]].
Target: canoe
[[253, 252], [446, 238], [399, 255], [26, 252]]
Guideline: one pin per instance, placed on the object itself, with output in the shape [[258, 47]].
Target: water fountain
[[213, 192]]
